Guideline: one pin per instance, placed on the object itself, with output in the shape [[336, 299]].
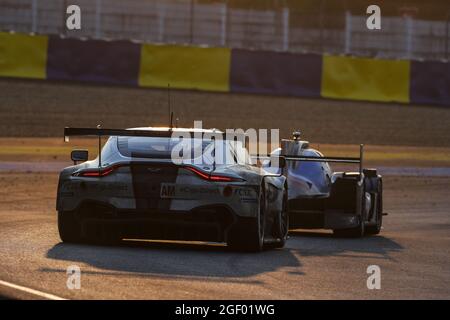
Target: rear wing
[[100, 132], [358, 160]]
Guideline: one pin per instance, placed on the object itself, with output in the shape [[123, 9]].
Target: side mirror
[[79, 155]]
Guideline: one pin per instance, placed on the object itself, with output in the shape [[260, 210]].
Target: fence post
[[34, 13], [223, 24], [161, 21], [98, 17], [285, 22], [348, 32], [191, 26], [447, 33], [321, 27], [409, 34], [228, 38]]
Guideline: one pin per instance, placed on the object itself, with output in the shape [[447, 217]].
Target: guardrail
[[224, 70], [302, 26]]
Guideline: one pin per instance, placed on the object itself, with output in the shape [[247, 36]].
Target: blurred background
[[411, 29], [307, 64]]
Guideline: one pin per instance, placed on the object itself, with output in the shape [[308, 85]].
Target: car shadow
[[324, 243], [175, 259]]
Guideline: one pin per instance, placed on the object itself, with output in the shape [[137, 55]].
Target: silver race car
[[349, 203], [134, 190]]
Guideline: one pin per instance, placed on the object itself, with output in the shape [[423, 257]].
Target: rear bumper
[[241, 199], [201, 224]]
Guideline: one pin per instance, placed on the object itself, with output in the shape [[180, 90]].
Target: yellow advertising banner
[[23, 56], [185, 67], [365, 79]]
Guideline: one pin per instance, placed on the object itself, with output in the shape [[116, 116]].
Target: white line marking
[[31, 291]]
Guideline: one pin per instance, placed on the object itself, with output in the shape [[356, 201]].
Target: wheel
[[248, 233], [69, 227], [95, 232], [282, 222], [379, 213]]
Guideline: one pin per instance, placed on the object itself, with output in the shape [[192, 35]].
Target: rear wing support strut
[[99, 148]]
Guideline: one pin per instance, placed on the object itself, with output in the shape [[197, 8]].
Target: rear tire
[[69, 227], [376, 229], [360, 230], [355, 232], [282, 222], [248, 233]]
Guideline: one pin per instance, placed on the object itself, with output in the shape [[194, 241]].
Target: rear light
[[98, 173], [212, 177], [95, 173]]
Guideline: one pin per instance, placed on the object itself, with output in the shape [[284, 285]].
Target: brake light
[[95, 173], [211, 177]]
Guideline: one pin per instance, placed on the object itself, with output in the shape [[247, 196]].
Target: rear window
[[155, 147]]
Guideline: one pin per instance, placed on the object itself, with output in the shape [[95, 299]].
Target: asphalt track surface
[[412, 252]]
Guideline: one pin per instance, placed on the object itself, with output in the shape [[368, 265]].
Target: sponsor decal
[[245, 194], [171, 190], [73, 186], [167, 190]]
